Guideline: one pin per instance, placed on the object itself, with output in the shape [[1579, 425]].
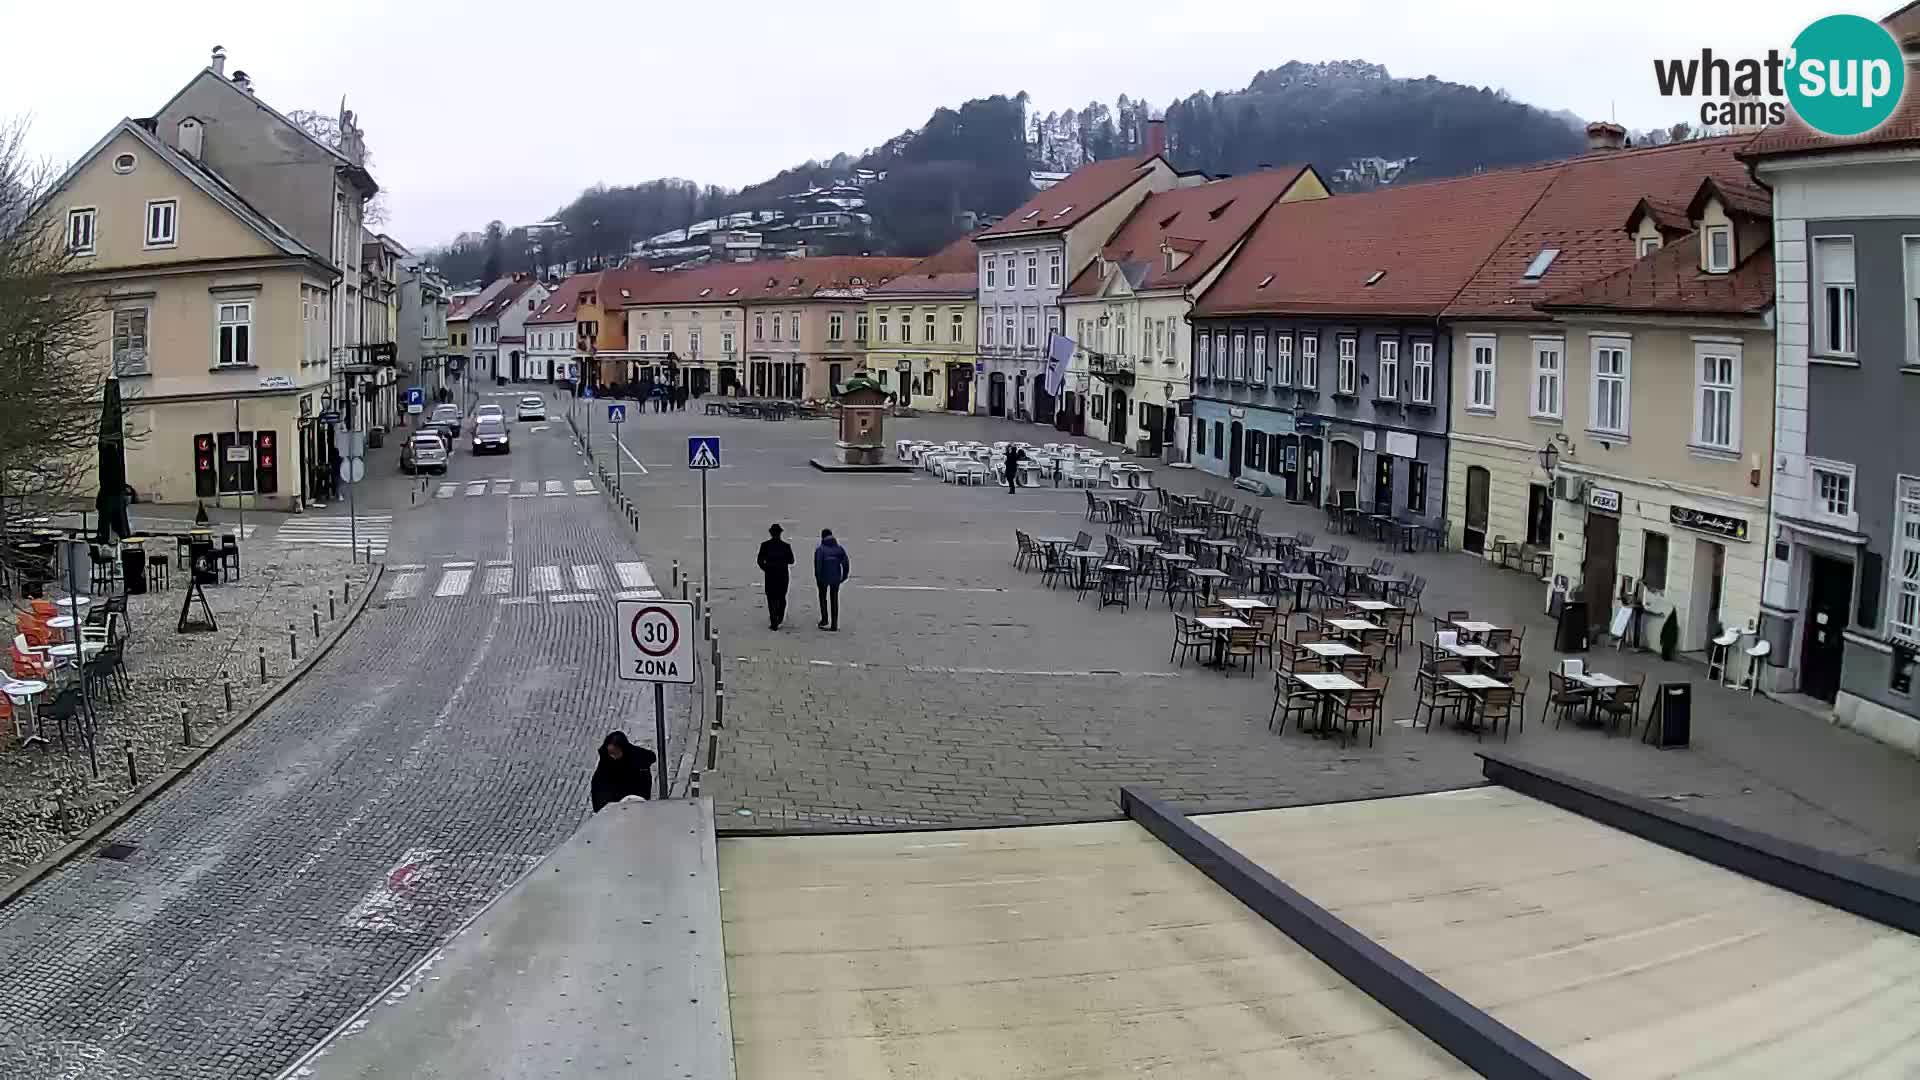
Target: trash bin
[[1570, 635], [376, 437], [133, 566], [1556, 597]]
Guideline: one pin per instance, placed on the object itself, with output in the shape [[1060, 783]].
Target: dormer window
[[1064, 211], [1648, 245], [1374, 278], [1719, 241], [704, 292], [1264, 282], [1537, 269]]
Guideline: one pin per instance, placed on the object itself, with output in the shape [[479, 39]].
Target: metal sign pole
[[706, 572], [618, 446], [239, 491], [660, 734]]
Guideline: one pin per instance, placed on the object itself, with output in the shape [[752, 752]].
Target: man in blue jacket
[[830, 567]]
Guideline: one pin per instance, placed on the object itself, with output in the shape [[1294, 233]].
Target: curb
[[33, 874]]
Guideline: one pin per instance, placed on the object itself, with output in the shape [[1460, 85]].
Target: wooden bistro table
[[1219, 625], [1475, 628], [1375, 606], [1474, 685], [1330, 652], [1471, 652], [1208, 576], [1300, 578], [1329, 685], [1599, 682]]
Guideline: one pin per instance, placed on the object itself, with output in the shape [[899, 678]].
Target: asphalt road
[[427, 761]]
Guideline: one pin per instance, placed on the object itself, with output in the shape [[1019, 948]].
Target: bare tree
[[327, 130], [51, 377]]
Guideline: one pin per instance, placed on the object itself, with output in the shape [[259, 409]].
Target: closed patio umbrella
[[111, 502]]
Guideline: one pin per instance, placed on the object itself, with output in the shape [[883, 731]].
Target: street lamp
[[1549, 457]]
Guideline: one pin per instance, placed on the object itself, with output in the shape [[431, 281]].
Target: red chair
[[34, 629]]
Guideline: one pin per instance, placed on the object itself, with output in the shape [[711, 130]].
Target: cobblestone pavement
[[49, 795], [959, 691], [433, 756]]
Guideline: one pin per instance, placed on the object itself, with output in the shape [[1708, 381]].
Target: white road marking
[[545, 579], [445, 491], [499, 581], [467, 565], [408, 566], [589, 576], [572, 598], [554, 488], [639, 594], [454, 583], [502, 487], [405, 585], [520, 600], [630, 457], [476, 487], [584, 487], [633, 575], [529, 487]]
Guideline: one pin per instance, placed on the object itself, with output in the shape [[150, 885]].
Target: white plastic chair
[[1447, 639], [1571, 667]]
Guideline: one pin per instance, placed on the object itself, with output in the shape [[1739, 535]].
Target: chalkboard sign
[[1670, 718]]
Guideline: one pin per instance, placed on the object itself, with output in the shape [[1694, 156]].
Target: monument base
[[835, 465]]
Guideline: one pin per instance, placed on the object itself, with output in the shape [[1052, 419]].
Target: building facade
[[1843, 583], [498, 325], [802, 317], [1320, 363], [1662, 393], [688, 326], [1026, 260], [553, 331], [918, 330], [214, 319], [1126, 311], [423, 340]]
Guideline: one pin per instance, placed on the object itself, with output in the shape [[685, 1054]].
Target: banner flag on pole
[[1059, 355]]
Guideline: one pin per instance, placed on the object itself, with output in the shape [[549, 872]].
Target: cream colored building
[[919, 330], [1650, 392], [215, 319], [691, 319]]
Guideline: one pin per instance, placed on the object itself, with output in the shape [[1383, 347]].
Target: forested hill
[[1353, 120]]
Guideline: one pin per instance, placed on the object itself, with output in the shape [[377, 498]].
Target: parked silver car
[[425, 452]]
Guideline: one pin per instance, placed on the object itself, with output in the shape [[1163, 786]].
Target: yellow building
[[214, 318], [919, 330]]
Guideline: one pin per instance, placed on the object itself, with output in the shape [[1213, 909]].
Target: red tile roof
[[1204, 221], [766, 280], [1795, 137], [1670, 282], [953, 269], [1062, 206], [564, 302], [1316, 256], [1581, 214], [496, 305]]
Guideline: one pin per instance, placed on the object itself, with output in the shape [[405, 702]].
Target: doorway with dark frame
[[1539, 515], [1822, 641], [1383, 484], [1473, 534], [1598, 568], [1236, 449]]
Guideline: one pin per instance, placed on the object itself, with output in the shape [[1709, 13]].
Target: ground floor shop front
[[261, 450], [1144, 416], [1303, 457], [1015, 387], [936, 383]]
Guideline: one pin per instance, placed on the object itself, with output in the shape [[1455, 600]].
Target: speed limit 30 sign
[[656, 640]]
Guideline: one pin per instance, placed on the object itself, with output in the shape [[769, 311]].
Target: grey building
[[422, 340], [1842, 596], [1320, 363]]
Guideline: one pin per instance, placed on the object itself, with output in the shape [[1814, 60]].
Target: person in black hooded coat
[[624, 769]]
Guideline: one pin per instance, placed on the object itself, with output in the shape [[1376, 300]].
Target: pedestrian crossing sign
[[616, 414], [703, 451]]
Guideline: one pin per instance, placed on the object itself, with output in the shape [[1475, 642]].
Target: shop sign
[[1607, 499], [1403, 444], [1686, 517]]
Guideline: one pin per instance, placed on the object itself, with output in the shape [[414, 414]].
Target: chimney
[[219, 64], [1156, 136], [241, 80], [1605, 135]]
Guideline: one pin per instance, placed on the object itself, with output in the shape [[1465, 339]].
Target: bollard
[[316, 621], [226, 685], [263, 665], [683, 587], [346, 591], [412, 498], [676, 573], [186, 727], [331, 614], [713, 736], [293, 642], [719, 715], [716, 653], [133, 774]]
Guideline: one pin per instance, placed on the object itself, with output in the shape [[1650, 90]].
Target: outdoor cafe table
[[1243, 603], [1475, 627], [1207, 575], [22, 693], [1474, 684], [1371, 605], [67, 652], [1352, 571], [1189, 535], [1596, 681], [1328, 685], [1380, 583], [1081, 557], [60, 622], [71, 602], [1218, 547], [1354, 626], [1264, 567], [1330, 652], [1299, 579], [1219, 625]]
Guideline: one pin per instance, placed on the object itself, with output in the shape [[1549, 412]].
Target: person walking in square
[[1015, 456], [774, 559], [830, 567]]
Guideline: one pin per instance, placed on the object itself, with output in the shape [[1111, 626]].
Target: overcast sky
[[485, 110]]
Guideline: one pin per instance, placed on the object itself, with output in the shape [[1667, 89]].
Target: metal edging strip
[[1482, 1043], [1885, 896]]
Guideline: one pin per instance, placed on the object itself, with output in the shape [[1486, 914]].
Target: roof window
[[1031, 214], [1167, 222], [1374, 278], [704, 292], [1214, 214], [1063, 211], [1537, 269], [733, 291], [625, 294], [1264, 282]]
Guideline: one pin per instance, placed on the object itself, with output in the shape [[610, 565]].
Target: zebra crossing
[[497, 487], [574, 583], [372, 531]]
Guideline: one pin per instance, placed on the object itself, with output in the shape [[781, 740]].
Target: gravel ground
[[48, 796]]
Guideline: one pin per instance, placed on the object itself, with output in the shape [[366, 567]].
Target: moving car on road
[[425, 452], [489, 411], [533, 408], [490, 436], [447, 416]]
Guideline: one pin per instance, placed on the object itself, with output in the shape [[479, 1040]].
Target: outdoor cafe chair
[[1564, 697], [1621, 704], [1189, 638], [1355, 667], [1096, 510], [1243, 645], [1290, 696], [1434, 695], [1360, 708], [1495, 709], [1024, 554]]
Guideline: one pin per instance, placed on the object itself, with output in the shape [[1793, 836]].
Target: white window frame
[[1714, 352], [991, 275], [1387, 369], [836, 326], [666, 341], [883, 330], [1600, 379], [1033, 268], [1718, 232], [1346, 365], [759, 328], [82, 229], [1239, 356], [1547, 397], [931, 324], [1009, 265], [906, 327], [1031, 324], [693, 343], [1483, 372], [1827, 296], [1203, 357], [1818, 508], [956, 328], [1283, 359], [726, 342], [121, 365], [1423, 373], [227, 336], [1053, 324], [1008, 328], [1646, 246], [1053, 268], [1903, 569], [1310, 361], [170, 236], [793, 326], [860, 326], [1259, 372], [1222, 356], [986, 329], [640, 343]]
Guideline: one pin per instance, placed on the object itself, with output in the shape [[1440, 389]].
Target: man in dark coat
[[624, 769], [775, 557], [831, 566], [1015, 456]]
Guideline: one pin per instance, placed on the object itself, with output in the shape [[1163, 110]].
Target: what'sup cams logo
[[1843, 76]]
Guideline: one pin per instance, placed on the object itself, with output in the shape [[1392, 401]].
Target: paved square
[[959, 690]]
